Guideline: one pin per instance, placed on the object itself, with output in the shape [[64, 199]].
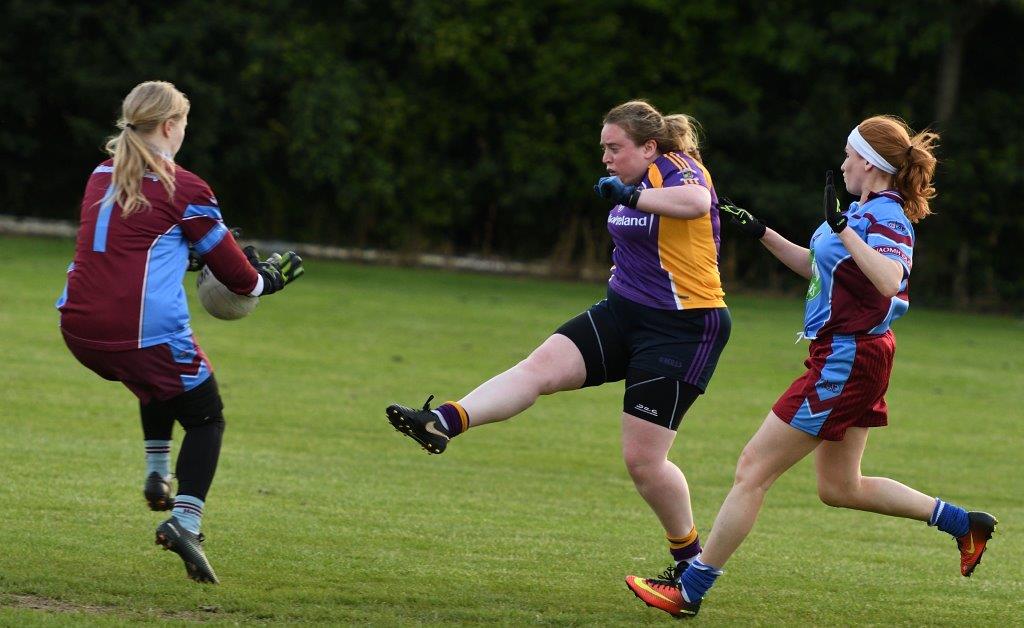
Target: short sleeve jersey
[[124, 289], [664, 262], [840, 298]]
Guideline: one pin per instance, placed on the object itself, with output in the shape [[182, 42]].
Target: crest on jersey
[[814, 288]]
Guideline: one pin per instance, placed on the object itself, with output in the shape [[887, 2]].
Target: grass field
[[321, 513]]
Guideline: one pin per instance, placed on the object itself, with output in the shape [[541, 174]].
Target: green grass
[[321, 513]]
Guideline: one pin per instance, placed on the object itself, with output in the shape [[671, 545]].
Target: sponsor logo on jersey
[[898, 226], [814, 287], [892, 250], [628, 221], [833, 387]]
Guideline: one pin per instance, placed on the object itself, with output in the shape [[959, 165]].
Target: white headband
[[865, 150]]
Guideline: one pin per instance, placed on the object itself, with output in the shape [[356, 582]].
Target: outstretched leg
[[554, 366]]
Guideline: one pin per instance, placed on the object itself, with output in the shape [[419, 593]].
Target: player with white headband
[[858, 264]]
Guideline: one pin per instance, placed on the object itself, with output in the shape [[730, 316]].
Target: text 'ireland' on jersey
[[840, 297], [664, 262]]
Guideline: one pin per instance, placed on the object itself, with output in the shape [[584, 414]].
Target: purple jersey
[[840, 298], [124, 288], [664, 262]]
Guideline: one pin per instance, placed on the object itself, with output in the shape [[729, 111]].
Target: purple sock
[[454, 419], [687, 551]]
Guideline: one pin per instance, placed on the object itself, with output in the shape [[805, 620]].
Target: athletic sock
[[684, 548], [188, 510], [158, 457], [950, 518], [697, 579], [454, 419]]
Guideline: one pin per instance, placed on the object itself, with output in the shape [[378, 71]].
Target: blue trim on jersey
[[99, 237], [837, 367], [191, 381], [834, 374], [64, 295], [164, 308], [202, 210], [212, 238], [183, 349]]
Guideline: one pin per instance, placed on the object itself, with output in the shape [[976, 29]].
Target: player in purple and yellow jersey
[[123, 313], [858, 264], [661, 328]]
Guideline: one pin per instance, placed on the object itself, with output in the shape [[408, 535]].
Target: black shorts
[[665, 356]]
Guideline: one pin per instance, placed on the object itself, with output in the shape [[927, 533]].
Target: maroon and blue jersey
[[663, 262], [124, 289], [841, 300]]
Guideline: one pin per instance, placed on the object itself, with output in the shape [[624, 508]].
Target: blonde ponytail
[[144, 109]]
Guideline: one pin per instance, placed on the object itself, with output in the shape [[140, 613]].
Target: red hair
[[911, 154]]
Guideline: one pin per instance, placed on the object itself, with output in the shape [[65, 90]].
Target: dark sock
[[157, 421], [197, 460], [453, 418], [684, 548]]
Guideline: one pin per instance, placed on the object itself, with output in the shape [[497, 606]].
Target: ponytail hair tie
[[910, 149], [129, 125]]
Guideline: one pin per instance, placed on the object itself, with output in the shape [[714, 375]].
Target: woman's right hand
[[743, 219]]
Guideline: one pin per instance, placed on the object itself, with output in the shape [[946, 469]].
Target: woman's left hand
[[834, 215]]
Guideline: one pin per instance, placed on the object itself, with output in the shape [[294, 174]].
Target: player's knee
[[201, 420], [641, 464], [749, 472], [835, 494], [199, 406], [542, 372]]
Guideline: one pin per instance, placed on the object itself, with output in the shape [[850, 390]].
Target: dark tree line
[[472, 126]]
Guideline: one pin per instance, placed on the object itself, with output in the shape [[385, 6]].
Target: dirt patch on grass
[[54, 605]]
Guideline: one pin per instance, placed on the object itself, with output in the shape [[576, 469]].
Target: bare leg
[[840, 483], [660, 482], [771, 451], [554, 366]]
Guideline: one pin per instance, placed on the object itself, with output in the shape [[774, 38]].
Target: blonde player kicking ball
[[858, 265]]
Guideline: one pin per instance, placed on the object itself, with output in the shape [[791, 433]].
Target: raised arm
[[884, 273], [677, 201]]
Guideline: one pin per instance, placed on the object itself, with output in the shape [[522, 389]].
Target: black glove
[[195, 260], [743, 219], [834, 215], [290, 265], [613, 189], [273, 279]]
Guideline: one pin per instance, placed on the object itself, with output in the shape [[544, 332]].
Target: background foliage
[[471, 126]]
